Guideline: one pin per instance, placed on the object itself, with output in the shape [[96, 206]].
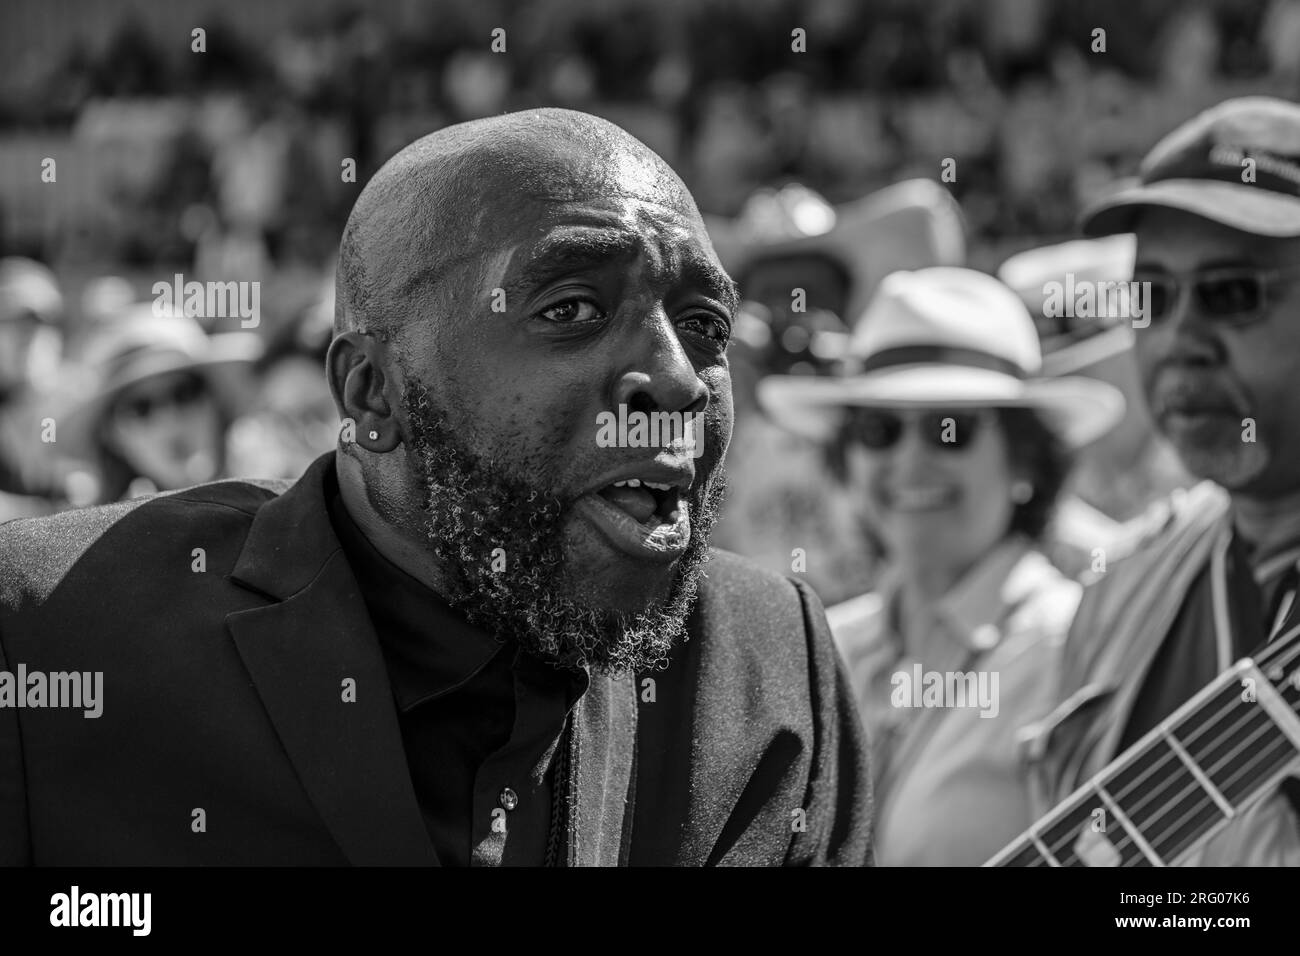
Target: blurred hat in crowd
[[29, 289], [105, 297], [1237, 163], [908, 225], [1072, 342], [143, 342], [946, 337]]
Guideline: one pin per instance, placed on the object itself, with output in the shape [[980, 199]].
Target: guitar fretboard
[[1171, 791]]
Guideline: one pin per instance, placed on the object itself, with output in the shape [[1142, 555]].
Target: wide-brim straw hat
[[907, 225], [943, 337], [1073, 342], [144, 342]]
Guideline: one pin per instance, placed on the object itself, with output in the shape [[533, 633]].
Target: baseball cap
[[1201, 168]]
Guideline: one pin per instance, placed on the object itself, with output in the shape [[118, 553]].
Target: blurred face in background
[[296, 393], [21, 340], [934, 484], [772, 282], [293, 423], [169, 429]]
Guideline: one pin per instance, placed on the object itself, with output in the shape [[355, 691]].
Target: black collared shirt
[[482, 722]]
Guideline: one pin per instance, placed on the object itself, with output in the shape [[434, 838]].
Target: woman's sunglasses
[[144, 404], [881, 428], [1238, 295]]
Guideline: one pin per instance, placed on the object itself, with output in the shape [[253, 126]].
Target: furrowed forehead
[[572, 248]]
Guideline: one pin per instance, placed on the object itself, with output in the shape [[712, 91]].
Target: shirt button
[[509, 799]]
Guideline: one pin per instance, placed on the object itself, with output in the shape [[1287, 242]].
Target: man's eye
[[571, 310], [709, 326]]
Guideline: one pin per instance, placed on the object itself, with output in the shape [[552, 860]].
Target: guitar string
[[1288, 754], [1164, 759], [1211, 723], [1157, 843], [1202, 799], [1286, 681], [1193, 788], [1199, 759]]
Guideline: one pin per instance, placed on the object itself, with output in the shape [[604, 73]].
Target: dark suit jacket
[[222, 692]]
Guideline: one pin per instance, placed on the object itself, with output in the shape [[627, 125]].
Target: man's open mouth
[[641, 517]]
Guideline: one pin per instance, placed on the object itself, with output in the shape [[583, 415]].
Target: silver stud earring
[[374, 435]]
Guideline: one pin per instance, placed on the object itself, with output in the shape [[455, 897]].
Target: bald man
[[487, 629]]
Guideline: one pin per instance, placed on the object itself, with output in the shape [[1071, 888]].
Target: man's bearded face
[[499, 539]]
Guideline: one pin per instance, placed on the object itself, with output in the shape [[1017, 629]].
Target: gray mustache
[[1194, 393]]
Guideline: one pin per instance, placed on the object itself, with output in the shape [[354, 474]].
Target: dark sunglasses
[[1238, 295], [881, 428], [183, 394]]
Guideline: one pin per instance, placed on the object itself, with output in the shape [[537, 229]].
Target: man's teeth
[[637, 483]]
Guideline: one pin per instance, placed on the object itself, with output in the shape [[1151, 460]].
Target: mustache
[[1183, 389]]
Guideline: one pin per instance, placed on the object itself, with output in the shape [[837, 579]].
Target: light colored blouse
[[943, 708]]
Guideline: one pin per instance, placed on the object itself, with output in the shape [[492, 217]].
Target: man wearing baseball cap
[[1216, 213]]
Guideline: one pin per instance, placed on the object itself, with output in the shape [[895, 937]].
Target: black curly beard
[[473, 506]]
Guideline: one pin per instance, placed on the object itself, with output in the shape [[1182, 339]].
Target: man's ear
[[356, 367]]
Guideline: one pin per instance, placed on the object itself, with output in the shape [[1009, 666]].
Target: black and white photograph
[[673, 434]]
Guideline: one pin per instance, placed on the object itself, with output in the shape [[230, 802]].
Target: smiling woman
[[159, 397], [955, 455]]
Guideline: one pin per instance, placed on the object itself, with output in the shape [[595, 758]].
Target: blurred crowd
[[822, 170], [946, 458], [232, 155], [145, 399]]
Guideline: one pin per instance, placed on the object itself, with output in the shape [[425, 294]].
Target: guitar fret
[[1143, 780], [1214, 756], [1027, 850], [1171, 813], [1181, 824], [1043, 850], [1224, 748], [1201, 778], [1204, 726], [1278, 707], [1246, 776], [1072, 836], [1155, 789], [1134, 833]]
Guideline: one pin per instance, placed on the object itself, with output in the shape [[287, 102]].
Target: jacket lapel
[[300, 651]]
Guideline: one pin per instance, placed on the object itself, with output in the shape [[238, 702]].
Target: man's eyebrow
[[724, 288], [568, 252], [580, 250]]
